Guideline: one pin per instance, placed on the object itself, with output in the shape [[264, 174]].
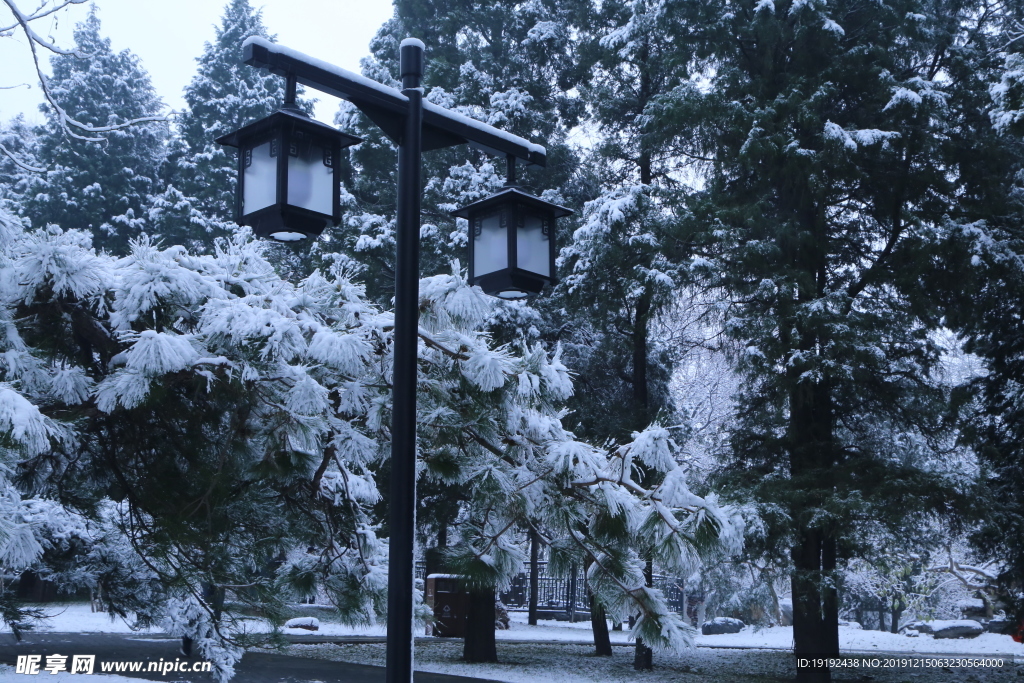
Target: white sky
[[168, 36]]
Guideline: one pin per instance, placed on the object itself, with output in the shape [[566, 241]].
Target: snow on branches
[[212, 374]]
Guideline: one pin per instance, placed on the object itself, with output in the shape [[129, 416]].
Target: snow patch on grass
[[7, 674]]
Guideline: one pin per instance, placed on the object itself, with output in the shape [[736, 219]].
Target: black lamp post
[[276, 212]]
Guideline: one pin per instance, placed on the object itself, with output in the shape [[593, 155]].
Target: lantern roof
[[510, 194], [281, 117]]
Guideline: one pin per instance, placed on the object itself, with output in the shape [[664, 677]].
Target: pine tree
[[241, 422], [102, 188]]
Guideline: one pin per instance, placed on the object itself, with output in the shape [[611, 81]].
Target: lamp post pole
[[414, 126], [402, 511]]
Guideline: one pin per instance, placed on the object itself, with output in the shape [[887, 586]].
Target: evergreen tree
[[626, 262], [20, 141], [102, 188], [833, 131], [988, 313]]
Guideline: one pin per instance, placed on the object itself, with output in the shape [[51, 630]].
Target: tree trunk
[[643, 656], [815, 604], [987, 601], [808, 636], [218, 602], [96, 599], [534, 575], [598, 622], [830, 596], [776, 608], [479, 645], [897, 613], [881, 618], [599, 625], [641, 396]]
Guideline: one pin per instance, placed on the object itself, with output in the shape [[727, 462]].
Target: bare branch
[[959, 571], [40, 13], [65, 121], [33, 37], [19, 163]]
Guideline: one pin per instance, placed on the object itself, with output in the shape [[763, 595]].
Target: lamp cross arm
[[386, 106]]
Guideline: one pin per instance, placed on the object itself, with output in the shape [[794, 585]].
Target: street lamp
[[287, 190], [512, 241], [414, 125]]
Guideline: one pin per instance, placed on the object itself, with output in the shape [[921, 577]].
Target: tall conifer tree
[[986, 308], [843, 138], [99, 187], [625, 263]]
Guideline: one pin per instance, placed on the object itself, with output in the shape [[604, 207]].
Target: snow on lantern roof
[[512, 194], [282, 116]]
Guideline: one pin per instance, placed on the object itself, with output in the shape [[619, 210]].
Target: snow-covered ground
[[76, 618], [7, 675], [548, 656], [557, 651], [781, 638], [569, 663]]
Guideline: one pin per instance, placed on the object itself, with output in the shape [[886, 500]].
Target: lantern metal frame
[[285, 130], [512, 205]]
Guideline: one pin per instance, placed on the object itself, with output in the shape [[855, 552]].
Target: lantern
[[512, 243], [287, 189]]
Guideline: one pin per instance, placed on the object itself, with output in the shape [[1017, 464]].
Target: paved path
[[255, 667]]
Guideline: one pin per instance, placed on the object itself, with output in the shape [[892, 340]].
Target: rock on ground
[[720, 625], [960, 628], [308, 623]]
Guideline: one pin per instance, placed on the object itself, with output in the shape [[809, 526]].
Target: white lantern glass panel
[[490, 244], [532, 245], [310, 179], [260, 178]]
